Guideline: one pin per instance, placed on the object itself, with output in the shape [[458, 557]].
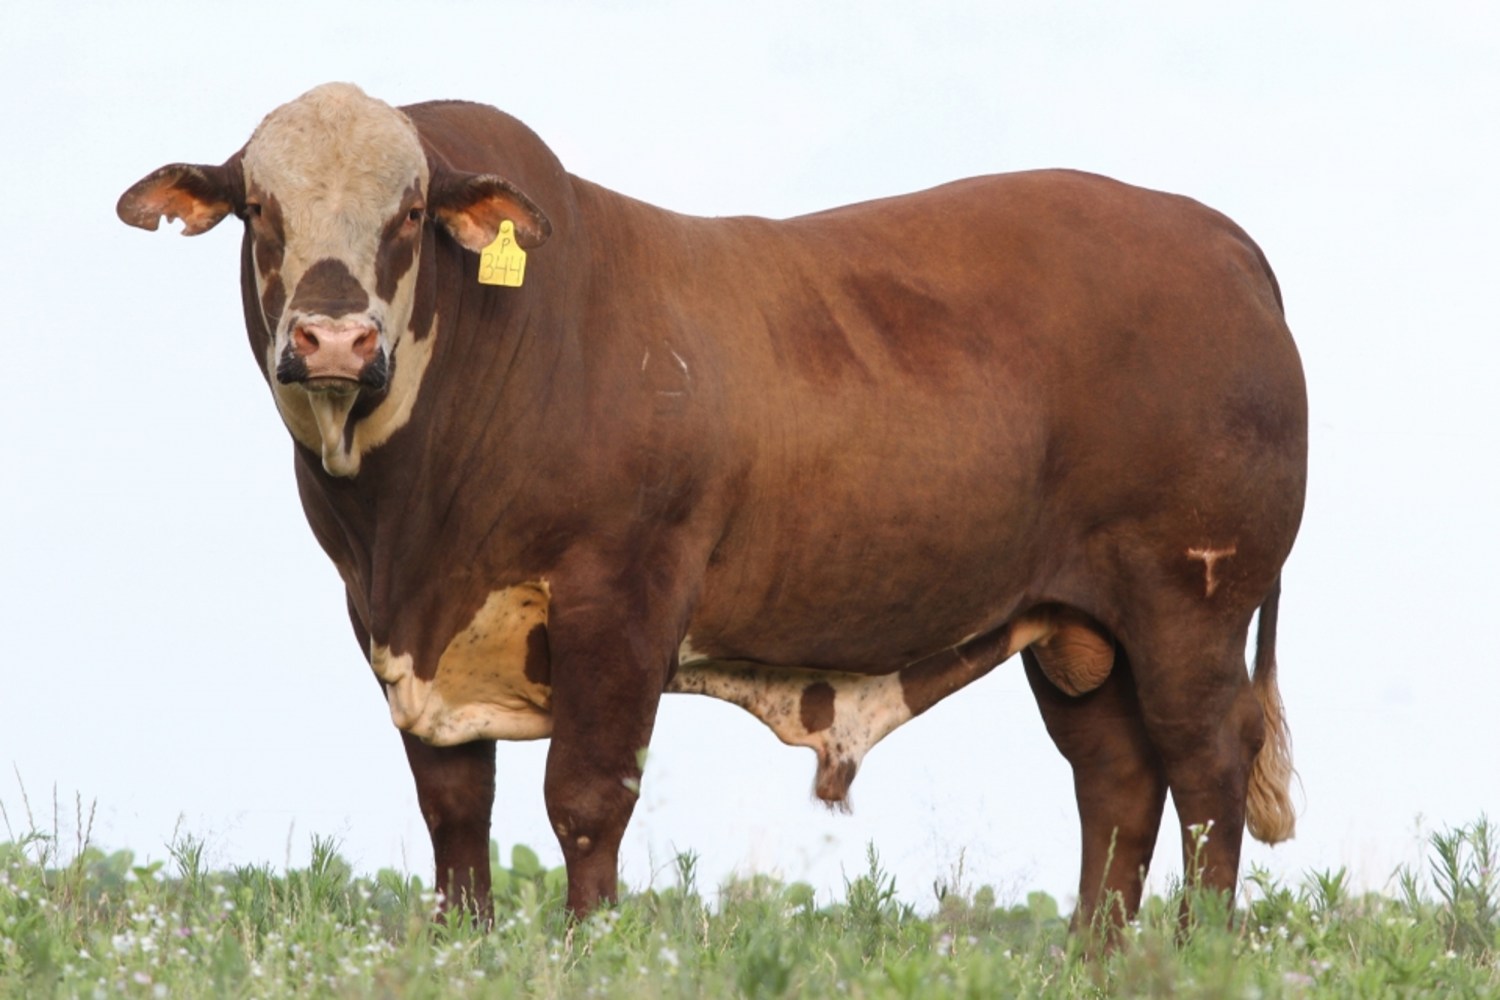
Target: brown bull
[[831, 469]]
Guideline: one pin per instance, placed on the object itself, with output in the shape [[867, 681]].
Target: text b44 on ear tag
[[503, 262]]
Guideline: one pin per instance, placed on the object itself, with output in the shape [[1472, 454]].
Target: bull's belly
[[865, 578], [493, 681], [841, 715]]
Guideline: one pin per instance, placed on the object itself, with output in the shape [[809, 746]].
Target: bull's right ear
[[200, 196]]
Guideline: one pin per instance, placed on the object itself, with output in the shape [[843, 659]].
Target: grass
[[98, 924]]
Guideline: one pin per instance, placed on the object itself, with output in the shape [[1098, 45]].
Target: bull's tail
[[1268, 812]]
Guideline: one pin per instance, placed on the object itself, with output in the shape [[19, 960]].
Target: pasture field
[[95, 924]]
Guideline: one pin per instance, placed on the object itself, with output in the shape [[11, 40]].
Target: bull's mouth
[[331, 385], [375, 376]]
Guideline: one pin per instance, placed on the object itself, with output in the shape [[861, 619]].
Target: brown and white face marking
[[335, 188]]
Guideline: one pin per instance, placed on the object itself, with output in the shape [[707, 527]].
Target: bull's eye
[[252, 210], [414, 216]]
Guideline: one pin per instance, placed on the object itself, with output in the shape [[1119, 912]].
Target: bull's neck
[[495, 373]]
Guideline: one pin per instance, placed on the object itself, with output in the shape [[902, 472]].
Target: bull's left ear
[[198, 195], [472, 206]]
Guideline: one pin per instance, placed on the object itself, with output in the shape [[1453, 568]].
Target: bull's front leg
[[456, 791], [607, 680]]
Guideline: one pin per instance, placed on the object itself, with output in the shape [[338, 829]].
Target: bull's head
[[339, 197]]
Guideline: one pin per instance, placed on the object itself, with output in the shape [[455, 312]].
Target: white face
[[335, 188], [336, 192]]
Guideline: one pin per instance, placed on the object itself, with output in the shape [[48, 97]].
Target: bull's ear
[[472, 206], [200, 196]]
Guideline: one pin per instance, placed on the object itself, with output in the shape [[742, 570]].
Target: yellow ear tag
[[503, 262]]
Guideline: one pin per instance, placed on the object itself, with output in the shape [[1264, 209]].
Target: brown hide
[[851, 442]]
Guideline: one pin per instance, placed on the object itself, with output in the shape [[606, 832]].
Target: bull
[[569, 451]]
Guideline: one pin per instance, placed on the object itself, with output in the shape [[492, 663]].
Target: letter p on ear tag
[[503, 262]]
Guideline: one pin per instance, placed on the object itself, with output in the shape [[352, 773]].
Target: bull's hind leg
[[1205, 721], [1119, 782]]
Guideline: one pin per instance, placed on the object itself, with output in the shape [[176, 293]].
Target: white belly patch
[[840, 716]]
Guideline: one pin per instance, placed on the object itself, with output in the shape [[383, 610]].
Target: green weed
[[104, 924]]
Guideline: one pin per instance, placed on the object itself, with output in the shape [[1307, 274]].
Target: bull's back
[[1050, 296]]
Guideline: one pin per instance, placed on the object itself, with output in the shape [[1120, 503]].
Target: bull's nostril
[[364, 346], [304, 341]]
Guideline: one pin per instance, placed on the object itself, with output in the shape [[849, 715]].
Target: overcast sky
[[177, 646]]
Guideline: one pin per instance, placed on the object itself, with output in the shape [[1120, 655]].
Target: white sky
[[177, 647]]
